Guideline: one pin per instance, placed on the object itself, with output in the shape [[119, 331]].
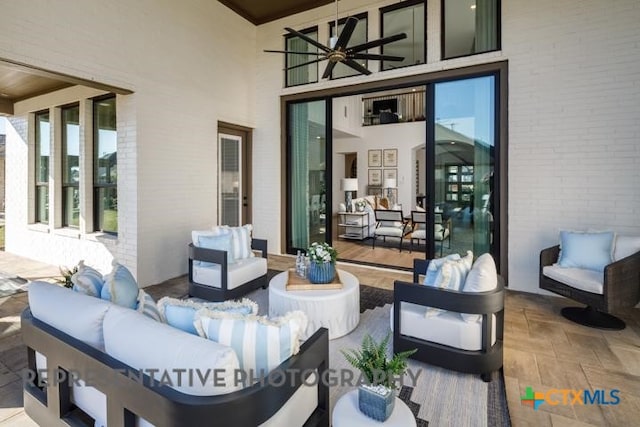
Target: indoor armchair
[[390, 223]]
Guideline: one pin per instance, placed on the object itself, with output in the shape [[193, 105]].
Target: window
[[105, 165], [359, 36], [70, 166], [42, 156], [469, 27], [302, 74], [408, 17]]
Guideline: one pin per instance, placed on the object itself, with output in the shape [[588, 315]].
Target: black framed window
[[105, 165], [359, 36], [71, 166], [303, 74], [470, 27], [408, 17], [42, 163]]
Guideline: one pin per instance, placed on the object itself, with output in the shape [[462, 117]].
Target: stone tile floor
[[542, 351]]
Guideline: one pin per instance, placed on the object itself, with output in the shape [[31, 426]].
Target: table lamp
[[390, 184], [348, 185]]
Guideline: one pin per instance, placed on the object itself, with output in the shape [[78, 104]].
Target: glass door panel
[[230, 185], [306, 175], [464, 165]]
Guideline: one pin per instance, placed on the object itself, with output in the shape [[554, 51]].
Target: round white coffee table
[[346, 413], [335, 309]]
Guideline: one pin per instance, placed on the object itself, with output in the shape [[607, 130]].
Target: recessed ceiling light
[[473, 6]]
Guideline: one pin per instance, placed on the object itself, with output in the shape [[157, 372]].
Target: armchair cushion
[[434, 266], [261, 344], [592, 251], [483, 277], [448, 328], [579, 278], [626, 246], [239, 273], [241, 240]]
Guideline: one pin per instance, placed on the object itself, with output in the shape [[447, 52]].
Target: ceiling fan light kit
[[339, 52]]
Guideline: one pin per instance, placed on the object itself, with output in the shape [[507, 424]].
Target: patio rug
[[10, 284], [439, 396]]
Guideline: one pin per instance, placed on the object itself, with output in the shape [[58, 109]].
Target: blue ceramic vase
[[374, 405], [321, 272]]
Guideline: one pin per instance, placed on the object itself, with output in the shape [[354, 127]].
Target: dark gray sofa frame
[[483, 361], [220, 257], [157, 403]]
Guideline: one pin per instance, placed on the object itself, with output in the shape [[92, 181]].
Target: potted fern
[[376, 398]]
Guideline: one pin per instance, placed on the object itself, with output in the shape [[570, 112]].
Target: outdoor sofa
[[98, 358]]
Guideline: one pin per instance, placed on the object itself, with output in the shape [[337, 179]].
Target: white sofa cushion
[[483, 277], [448, 328], [144, 344], [625, 246], [390, 230], [71, 312], [238, 273], [260, 343], [579, 278]]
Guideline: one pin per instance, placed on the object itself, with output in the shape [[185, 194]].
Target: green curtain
[[299, 131], [486, 25]]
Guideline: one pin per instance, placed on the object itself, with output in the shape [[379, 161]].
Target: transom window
[[303, 73], [470, 27], [359, 36], [408, 17]]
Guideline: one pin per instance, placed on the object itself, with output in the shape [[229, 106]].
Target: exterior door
[[234, 184]]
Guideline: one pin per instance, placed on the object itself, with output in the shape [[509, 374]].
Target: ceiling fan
[[339, 52]]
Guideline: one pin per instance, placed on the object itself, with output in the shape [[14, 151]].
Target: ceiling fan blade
[[346, 33], [328, 70], [308, 39], [294, 52], [353, 64], [376, 43], [305, 63], [376, 57]]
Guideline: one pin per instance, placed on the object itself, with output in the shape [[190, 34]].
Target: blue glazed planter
[[321, 272], [374, 405]]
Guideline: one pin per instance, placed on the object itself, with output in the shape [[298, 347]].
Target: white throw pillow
[[451, 275], [483, 277], [434, 266], [261, 344], [626, 246]]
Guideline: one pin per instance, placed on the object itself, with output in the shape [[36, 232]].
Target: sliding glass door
[[307, 174], [464, 141]]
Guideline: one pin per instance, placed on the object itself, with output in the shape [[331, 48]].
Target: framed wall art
[[390, 158], [375, 177], [375, 158]]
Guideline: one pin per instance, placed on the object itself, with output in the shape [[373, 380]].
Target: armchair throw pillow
[[241, 240], [592, 251], [483, 277], [221, 242]]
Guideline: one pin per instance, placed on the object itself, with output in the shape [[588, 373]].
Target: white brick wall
[[189, 64], [574, 117]]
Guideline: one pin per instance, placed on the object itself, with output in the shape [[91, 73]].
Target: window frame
[[37, 183], [287, 37], [360, 16], [442, 33], [63, 153], [398, 6], [97, 226]]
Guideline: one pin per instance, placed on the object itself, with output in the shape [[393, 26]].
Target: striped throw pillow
[[181, 313], [261, 344], [241, 240], [147, 306], [87, 280]]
